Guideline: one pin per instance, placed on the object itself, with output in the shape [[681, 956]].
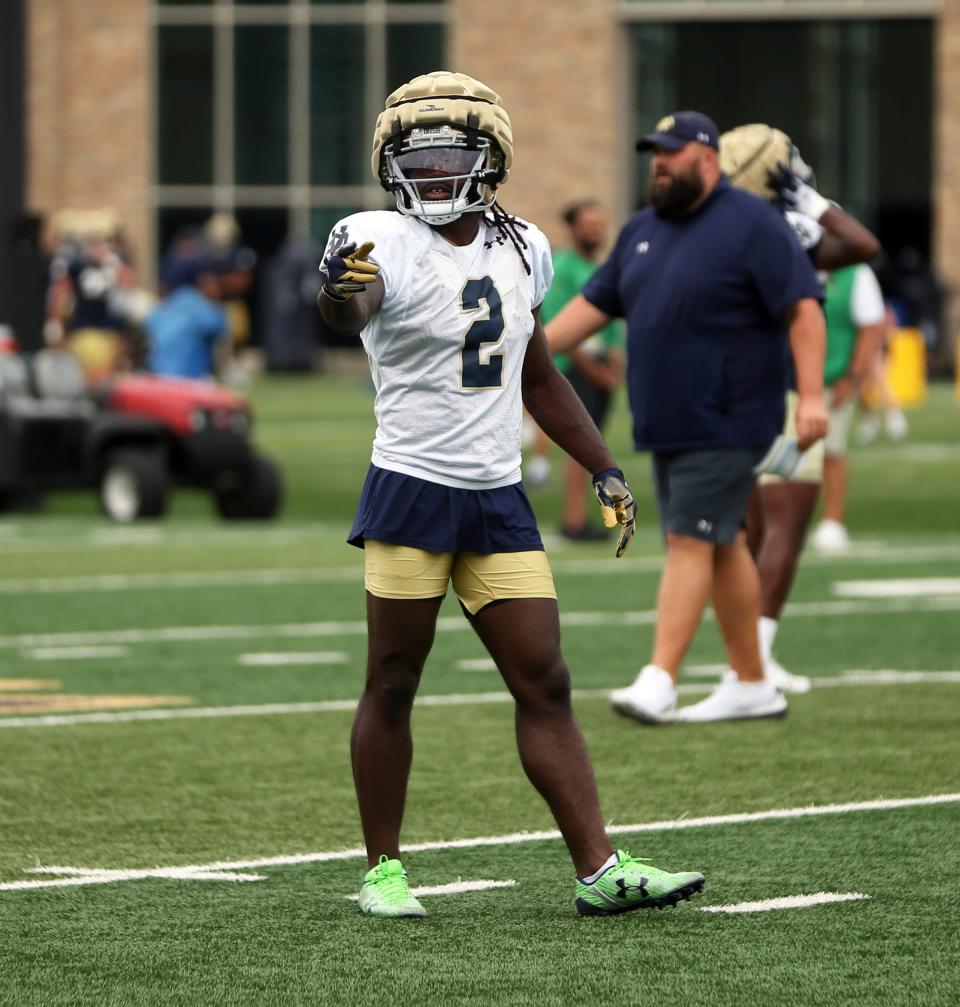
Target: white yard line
[[787, 902], [280, 659], [454, 888], [446, 624], [476, 664], [853, 678], [903, 587], [75, 653], [74, 876]]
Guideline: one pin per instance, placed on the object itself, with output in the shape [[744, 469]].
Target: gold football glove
[[616, 505], [348, 272]]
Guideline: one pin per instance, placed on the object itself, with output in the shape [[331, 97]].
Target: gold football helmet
[[456, 128], [747, 153]]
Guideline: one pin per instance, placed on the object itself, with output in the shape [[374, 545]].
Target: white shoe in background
[[830, 536], [780, 678], [652, 698], [868, 428], [736, 700], [537, 472], [896, 424]]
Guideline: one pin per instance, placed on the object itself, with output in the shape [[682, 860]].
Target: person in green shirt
[[594, 369]]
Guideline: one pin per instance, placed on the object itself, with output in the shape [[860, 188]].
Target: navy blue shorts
[[404, 510], [703, 494]]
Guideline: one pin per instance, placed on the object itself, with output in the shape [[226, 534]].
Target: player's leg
[[400, 634], [831, 534], [787, 508], [523, 637], [522, 634], [405, 588]]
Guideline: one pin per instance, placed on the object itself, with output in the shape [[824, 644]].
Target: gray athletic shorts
[[703, 494]]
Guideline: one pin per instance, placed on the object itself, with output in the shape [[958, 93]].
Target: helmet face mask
[[461, 135], [438, 173]]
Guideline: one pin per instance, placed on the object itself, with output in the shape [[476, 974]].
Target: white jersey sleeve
[[446, 346], [866, 299]]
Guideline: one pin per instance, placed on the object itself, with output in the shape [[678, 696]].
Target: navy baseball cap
[[675, 131]]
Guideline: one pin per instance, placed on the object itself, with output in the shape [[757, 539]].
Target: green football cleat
[[386, 891], [631, 883]]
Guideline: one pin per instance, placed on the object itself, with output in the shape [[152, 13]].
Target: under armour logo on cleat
[[623, 888]]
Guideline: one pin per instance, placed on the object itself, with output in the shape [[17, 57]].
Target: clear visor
[[452, 161]]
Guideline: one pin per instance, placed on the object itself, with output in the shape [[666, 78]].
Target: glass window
[[261, 102], [185, 105], [339, 131], [413, 49], [322, 219]]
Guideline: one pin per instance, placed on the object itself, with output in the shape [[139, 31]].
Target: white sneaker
[[896, 424], [868, 428], [538, 472], [736, 700], [830, 536], [780, 678], [652, 698]]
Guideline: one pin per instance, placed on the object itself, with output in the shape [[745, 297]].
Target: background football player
[[444, 294], [764, 161]]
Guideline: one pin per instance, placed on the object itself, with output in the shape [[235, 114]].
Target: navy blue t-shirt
[[705, 297]]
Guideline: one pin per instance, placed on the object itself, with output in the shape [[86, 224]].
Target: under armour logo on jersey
[[498, 240], [643, 247]]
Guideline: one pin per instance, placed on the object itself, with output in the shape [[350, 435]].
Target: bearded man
[[714, 287]]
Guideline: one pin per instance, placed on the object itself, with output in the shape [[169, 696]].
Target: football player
[[444, 294], [764, 161]]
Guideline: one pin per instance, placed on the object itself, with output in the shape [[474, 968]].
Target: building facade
[[168, 110]]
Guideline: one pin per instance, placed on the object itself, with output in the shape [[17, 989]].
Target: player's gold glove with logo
[[616, 505], [348, 272]]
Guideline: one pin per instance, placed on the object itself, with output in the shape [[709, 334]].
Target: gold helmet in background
[[446, 122], [747, 153]]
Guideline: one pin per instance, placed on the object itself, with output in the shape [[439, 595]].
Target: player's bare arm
[[845, 240], [578, 320], [352, 290], [808, 342], [554, 405]]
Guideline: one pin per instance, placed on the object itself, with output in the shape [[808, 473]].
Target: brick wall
[[89, 110], [553, 65], [946, 171]]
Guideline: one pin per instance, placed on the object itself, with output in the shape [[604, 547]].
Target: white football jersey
[[446, 347]]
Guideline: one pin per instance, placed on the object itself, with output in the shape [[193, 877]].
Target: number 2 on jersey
[[477, 374]]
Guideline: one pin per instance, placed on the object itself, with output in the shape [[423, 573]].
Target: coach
[[713, 285]]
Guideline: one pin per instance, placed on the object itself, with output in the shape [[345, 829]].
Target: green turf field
[[177, 821]]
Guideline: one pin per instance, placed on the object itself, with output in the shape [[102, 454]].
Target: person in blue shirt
[[183, 330], [714, 286]]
